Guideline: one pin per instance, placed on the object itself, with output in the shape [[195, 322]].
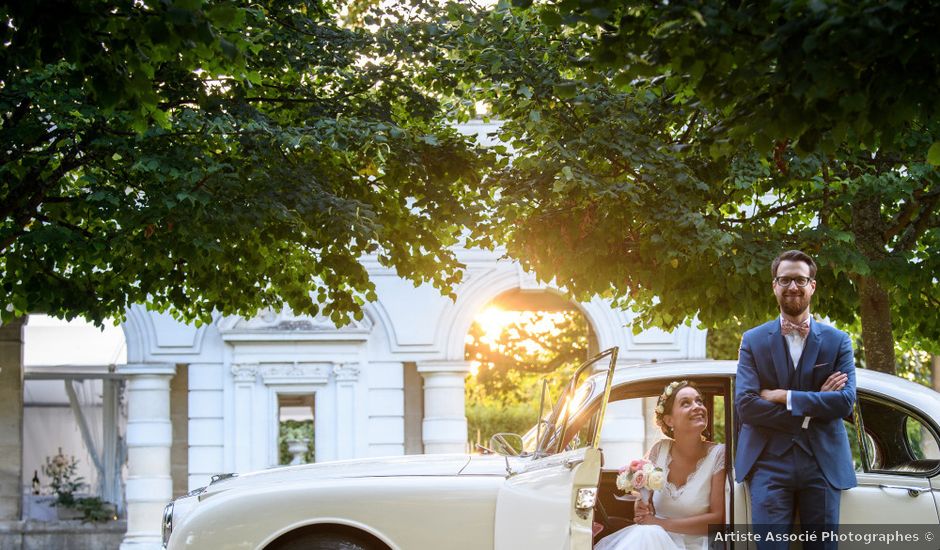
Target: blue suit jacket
[[770, 428]]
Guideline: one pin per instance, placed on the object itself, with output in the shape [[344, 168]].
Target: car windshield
[[543, 438]]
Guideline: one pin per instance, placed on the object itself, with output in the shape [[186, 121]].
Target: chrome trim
[[587, 498], [912, 491], [166, 529], [222, 477], [196, 492]]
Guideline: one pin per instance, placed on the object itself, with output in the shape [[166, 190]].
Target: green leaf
[[566, 90], [933, 154]]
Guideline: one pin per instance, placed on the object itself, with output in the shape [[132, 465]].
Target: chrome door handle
[[913, 491]]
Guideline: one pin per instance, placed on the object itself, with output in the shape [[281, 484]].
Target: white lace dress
[[691, 499]]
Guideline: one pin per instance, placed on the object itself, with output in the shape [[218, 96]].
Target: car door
[[547, 500], [897, 465]]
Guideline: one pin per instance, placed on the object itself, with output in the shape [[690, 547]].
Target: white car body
[[483, 502]]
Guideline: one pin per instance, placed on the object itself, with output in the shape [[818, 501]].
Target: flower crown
[[667, 393]]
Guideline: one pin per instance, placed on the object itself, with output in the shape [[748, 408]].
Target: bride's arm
[[698, 525]]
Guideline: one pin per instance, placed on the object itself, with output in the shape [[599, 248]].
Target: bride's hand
[[641, 512]]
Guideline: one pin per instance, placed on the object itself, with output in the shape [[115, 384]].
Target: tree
[[648, 190], [536, 344], [503, 395], [214, 156]]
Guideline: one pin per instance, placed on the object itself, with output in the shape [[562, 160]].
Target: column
[[149, 437], [445, 420], [11, 418]]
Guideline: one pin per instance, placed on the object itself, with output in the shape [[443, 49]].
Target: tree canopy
[[819, 74], [226, 156], [215, 156], [645, 189]]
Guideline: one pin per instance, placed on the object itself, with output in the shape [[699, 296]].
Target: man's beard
[[793, 305]]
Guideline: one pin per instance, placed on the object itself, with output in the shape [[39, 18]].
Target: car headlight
[[167, 527]]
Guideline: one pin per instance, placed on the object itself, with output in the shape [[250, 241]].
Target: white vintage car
[[547, 492]]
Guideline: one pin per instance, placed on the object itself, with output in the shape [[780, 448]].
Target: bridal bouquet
[[641, 476]]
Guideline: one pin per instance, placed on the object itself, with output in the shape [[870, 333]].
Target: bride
[[693, 496]]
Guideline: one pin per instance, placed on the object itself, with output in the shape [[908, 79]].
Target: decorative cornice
[[143, 369], [295, 373], [458, 367]]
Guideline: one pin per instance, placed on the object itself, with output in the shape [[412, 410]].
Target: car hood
[[412, 465]]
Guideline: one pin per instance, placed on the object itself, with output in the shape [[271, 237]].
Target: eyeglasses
[[785, 281]]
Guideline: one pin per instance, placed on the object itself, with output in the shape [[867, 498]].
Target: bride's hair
[[667, 399]]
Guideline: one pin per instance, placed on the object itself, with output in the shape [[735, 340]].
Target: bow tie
[[795, 328]]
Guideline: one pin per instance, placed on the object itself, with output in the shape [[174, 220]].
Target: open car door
[[547, 500]]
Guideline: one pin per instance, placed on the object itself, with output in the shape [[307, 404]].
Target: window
[[896, 439], [295, 428]]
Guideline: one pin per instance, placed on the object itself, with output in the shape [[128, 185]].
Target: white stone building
[[207, 400]]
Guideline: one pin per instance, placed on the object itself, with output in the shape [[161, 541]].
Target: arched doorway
[[517, 340]]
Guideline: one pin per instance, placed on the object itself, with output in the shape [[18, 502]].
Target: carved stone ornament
[[286, 321], [295, 373], [346, 372], [245, 373]]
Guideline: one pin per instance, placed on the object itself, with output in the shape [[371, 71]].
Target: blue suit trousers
[[781, 485]]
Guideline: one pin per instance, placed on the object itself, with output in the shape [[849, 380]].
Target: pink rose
[[639, 479], [637, 465]]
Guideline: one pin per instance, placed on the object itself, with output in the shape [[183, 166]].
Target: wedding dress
[[690, 499]]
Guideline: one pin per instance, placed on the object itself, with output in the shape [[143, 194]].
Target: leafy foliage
[[94, 509], [489, 415], [645, 189], [216, 156], [820, 74], [534, 344]]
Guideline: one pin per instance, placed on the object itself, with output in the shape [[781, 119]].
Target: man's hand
[[774, 396], [835, 382]]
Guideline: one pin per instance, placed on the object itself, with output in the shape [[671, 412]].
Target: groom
[[795, 384]]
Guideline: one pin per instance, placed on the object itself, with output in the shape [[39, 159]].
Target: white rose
[[648, 467], [623, 483], [656, 480]]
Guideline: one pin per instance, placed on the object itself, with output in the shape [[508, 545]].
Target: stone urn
[[297, 448]]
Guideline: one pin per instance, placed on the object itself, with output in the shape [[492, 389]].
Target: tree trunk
[[877, 335], [875, 304]]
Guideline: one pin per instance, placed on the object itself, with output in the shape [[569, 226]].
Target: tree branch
[[923, 222], [72, 227], [774, 211]]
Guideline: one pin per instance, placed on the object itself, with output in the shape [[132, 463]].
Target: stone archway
[[445, 379]]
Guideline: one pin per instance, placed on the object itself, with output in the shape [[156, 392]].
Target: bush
[[488, 416]]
